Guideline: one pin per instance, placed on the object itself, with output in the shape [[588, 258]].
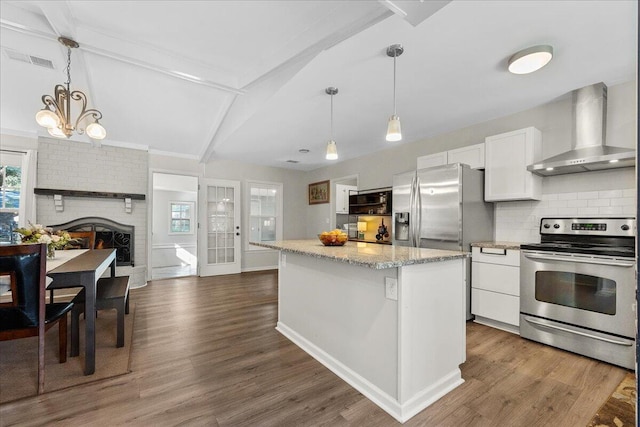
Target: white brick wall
[[520, 221], [68, 165]]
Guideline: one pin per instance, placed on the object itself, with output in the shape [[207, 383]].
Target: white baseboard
[[497, 324], [385, 401], [263, 268]]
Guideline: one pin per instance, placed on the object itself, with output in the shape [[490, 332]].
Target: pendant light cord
[[394, 83], [331, 117]]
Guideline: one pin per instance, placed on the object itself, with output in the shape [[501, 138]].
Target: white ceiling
[[246, 80]]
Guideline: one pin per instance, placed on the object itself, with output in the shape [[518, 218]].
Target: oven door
[[589, 291]]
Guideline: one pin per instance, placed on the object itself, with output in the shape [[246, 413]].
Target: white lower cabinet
[[495, 287]]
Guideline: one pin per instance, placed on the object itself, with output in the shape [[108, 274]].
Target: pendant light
[[332, 150], [394, 133]]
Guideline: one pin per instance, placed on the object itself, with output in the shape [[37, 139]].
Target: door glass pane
[[211, 194], [576, 290], [221, 224]]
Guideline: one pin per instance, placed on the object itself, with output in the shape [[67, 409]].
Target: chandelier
[[56, 114]]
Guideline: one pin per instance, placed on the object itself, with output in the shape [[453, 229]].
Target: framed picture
[[319, 192]]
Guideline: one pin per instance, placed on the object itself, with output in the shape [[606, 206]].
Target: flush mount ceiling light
[[531, 59], [332, 150], [56, 114], [394, 132]]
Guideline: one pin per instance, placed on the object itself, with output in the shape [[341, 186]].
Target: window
[[181, 217], [265, 212], [10, 185]]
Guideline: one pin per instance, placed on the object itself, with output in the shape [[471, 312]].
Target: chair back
[[82, 240], [26, 265]]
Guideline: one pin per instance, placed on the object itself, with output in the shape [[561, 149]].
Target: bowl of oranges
[[333, 238]]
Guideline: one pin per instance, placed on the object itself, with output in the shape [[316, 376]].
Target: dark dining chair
[[27, 315]]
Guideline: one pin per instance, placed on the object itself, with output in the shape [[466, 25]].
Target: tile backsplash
[[520, 221]]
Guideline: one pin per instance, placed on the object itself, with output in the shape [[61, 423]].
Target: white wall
[[294, 189], [71, 165], [554, 121]]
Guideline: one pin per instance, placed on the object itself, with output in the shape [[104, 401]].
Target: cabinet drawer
[[496, 256], [497, 278], [496, 306]]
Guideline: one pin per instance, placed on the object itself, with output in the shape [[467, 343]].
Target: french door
[[219, 243]]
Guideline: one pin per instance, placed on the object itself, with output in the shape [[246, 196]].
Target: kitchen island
[[389, 320]]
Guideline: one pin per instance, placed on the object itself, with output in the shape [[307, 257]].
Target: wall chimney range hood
[[588, 152]]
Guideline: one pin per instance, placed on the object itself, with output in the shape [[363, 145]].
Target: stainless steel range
[[577, 287]]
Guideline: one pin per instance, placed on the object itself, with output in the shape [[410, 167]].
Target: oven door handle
[[571, 331], [585, 260]]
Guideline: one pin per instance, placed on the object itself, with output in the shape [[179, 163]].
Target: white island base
[[402, 354]]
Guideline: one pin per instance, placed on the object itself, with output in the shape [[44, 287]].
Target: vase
[[51, 252]]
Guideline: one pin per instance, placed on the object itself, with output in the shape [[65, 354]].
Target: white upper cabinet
[[432, 160], [506, 159], [472, 155], [342, 197]]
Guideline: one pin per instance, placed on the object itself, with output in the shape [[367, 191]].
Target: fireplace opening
[[109, 234]]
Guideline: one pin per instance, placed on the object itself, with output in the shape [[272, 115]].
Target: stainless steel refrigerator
[[442, 208]]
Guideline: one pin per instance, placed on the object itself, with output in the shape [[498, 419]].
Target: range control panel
[[589, 226], [625, 227]]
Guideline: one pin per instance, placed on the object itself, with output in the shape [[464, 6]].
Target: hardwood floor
[[205, 352]]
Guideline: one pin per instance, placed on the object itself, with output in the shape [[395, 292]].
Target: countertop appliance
[[442, 208], [577, 287]]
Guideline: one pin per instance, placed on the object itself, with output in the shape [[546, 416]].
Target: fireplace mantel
[[92, 194]]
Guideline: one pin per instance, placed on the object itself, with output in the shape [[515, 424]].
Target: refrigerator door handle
[[412, 217], [418, 212], [416, 221]]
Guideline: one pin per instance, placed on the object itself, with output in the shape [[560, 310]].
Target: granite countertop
[[497, 245], [371, 255]]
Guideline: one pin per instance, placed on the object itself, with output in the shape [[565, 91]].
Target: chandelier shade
[[56, 114]]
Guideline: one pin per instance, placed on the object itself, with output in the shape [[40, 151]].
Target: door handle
[[585, 260], [571, 331]]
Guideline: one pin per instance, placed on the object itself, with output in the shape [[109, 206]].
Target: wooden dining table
[[83, 270]]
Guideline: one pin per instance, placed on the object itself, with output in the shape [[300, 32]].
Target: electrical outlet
[[283, 260], [391, 288]]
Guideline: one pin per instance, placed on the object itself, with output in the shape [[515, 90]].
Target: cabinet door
[[506, 159], [472, 155], [432, 160], [496, 306], [342, 197]]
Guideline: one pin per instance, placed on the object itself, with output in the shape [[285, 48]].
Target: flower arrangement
[[40, 234]]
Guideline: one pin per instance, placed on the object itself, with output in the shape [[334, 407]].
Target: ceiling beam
[[119, 57], [264, 87]]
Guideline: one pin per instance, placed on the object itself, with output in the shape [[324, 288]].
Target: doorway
[[342, 187], [174, 234]]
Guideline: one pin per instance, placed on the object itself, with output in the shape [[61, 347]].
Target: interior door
[[219, 243]]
